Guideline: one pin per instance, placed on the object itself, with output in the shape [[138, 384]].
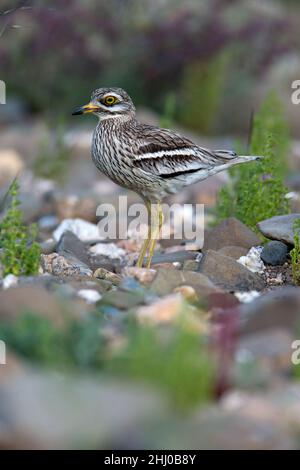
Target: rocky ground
[[236, 295]]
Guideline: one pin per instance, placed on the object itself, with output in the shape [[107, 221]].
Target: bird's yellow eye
[[110, 100]]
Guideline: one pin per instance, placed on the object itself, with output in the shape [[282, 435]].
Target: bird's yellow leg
[[139, 263], [156, 225]]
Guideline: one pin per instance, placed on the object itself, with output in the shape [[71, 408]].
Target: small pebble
[[143, 275], [252, 260], [108, 249], [9, 281], [102, 273], [84, 230], [48, 222], [91, 296], [247, 297], [274, 253], [188, 292]]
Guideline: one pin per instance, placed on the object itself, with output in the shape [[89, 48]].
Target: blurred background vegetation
[[213, 57]]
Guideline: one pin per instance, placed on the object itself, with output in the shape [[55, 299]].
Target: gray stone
[[43, 410], [143, 275], [48, 222], [272, 343], [37, 300], [48, 246], [279, 228], [122, 300], [102, 273], [83, 229], [173, 257], [227, 274], [72, 257], [274, 253], [270, 349], [70, 246], [62, 283], [254, 424], [230, 232], [234, 252], [191, 264], [166, 280], [99, 261], [79, 283], [46, 281], [58, 265], [278, 308]]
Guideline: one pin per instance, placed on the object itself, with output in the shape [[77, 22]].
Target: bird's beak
[[88, 108]]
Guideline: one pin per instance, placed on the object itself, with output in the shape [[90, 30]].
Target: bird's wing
[[168, 154]]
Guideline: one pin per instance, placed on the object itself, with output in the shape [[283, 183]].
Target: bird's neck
[[116, 119]]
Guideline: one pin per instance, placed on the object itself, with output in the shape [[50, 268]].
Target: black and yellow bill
[[87, 108]]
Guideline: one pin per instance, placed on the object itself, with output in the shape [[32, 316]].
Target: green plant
[[71, 344], [177, 361], [20, 253], [85, 343], [256, 190], [295, 253], [34, 337], [174, 358], [53, 158]]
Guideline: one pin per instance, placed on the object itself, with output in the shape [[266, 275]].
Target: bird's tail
[[246, 158], [249, 158], [234, 159]]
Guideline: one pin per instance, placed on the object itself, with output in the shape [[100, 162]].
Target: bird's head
[[108, 103]]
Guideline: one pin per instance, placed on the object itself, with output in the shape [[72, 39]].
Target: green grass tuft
[[73, 344], [256, 190], [295, 253], [175, 359], [33, 337], [20, 253]]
